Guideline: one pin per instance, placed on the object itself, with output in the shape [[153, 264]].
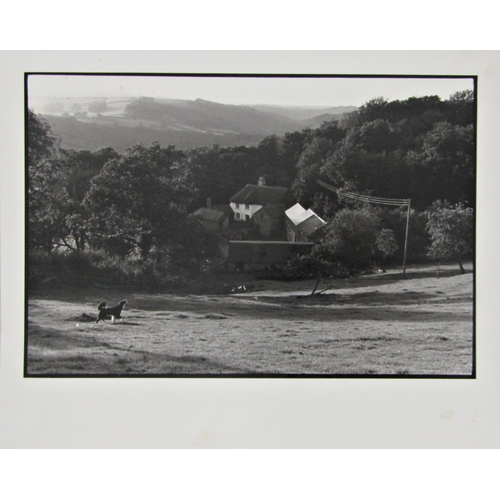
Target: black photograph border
[[367, 76]]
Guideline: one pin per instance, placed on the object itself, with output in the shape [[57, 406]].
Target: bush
[[96, 268], [350, 240], [313, 265]]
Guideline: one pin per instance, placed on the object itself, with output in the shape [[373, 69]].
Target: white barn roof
[[294, 213], [305, 220]]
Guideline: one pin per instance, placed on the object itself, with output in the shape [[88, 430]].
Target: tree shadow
[[125, 361], [431, 273], [392, 277]]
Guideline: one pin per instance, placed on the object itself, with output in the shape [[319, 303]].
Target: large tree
[[308, 167], [353, 241], [451, 229], [47, 196], [41, 143], [444, 166], [353, 238], [138, 203], [420, 148], [79, 168]]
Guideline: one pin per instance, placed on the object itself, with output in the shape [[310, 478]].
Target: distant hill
[[92, 123], [211, 117], [98, 133], [305, 113]]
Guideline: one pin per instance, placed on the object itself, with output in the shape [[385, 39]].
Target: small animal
[[107, 312]]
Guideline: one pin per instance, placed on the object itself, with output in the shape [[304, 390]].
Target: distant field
[[371, 325]]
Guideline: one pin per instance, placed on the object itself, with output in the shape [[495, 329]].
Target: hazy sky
[[229, 90]]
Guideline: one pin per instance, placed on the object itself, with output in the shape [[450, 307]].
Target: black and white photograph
[[250, 225]]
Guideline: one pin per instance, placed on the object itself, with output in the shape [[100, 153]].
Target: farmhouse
[[301, 224], [249, 200], [252, 255]]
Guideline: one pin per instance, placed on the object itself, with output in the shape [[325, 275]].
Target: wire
[[366, 199]]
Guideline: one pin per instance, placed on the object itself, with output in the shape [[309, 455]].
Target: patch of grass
[[83, 318], [365, 336]]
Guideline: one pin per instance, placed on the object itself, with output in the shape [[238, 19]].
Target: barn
[[301, 224]]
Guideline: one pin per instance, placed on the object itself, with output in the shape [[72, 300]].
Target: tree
[[47, 196], [352, 241], [79, 168], [386, 245], [351, 238], [57, 183], [138, 204], [319, 145], [451, 229], [132, 199], [82, 166], [444, 166], [461, 107], [308, 167], [418, 237], [219, 173], [317, 265], [41, 143]]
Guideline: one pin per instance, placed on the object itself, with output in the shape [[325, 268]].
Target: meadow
[[373, 325]]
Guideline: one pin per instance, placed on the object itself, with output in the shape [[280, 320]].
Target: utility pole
[[406, 237]]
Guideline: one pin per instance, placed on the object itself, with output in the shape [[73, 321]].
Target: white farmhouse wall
[[242, 210]]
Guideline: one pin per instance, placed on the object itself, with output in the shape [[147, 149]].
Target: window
[[247, 207], [236, 215], [237, 205]]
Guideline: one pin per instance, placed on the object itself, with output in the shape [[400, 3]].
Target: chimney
[[209, 202], [262, 181]]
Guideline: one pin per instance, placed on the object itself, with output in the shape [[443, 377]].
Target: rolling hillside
[[92, 123]]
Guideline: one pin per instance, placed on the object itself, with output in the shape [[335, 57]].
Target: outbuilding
[[270, 219], [301, 224]]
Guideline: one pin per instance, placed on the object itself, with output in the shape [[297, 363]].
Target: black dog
[[107, 312]]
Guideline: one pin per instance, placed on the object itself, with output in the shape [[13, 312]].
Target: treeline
[[136, 205], [421, 148]]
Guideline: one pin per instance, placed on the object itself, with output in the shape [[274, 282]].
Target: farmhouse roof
[[260, 195], [225, 209]]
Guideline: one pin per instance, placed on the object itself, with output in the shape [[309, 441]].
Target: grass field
[[371, 325]]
